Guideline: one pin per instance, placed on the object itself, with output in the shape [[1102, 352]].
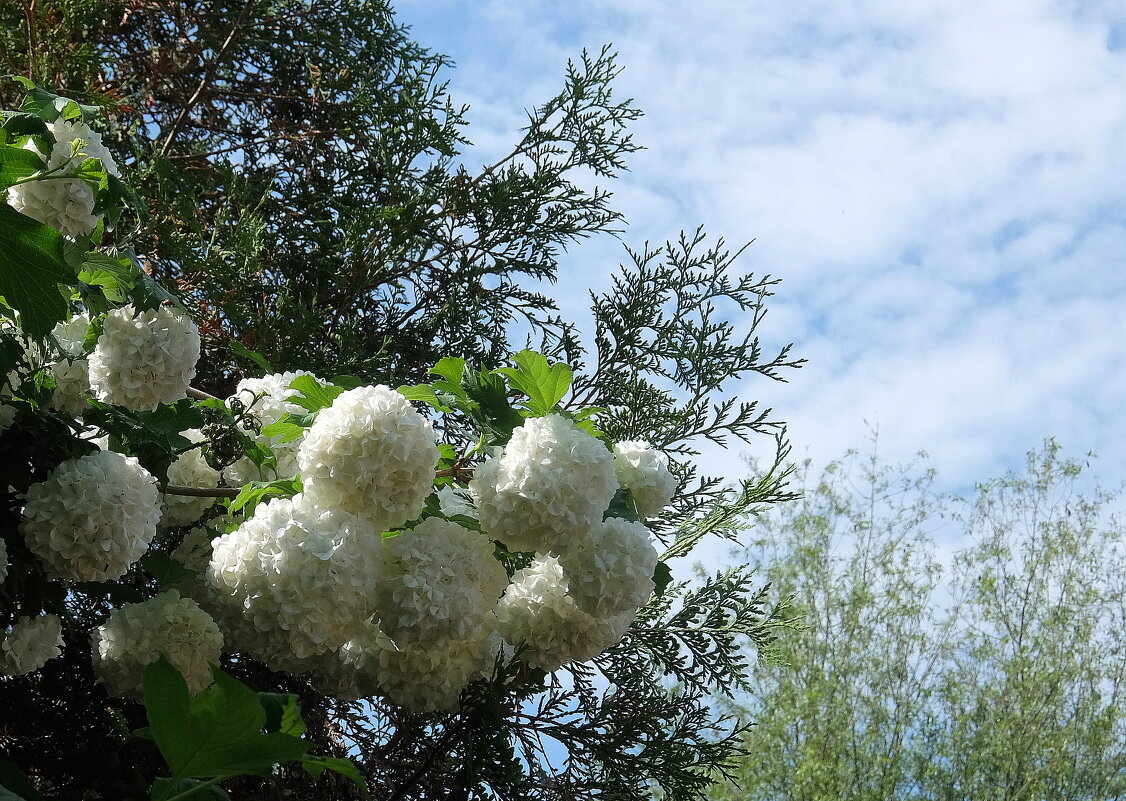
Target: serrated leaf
[[313, 395], [284, 431], [256, 491], [32, 267], [16, 163], [316, 766], [282, 713], [622, 505], [164, 789], [346, 381], [240, 349], [491, 410], [218, 733], [49, 106], [164, 569], [450, 368], [424, 393], [545, 384]]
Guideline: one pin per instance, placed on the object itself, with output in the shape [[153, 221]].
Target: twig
[[199, 394]]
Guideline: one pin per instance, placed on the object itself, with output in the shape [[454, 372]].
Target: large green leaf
[[216, 734], [31, 267], [16, 163], [544, 384], [312, 394]]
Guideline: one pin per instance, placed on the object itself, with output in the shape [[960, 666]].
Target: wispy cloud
[[939, 184]]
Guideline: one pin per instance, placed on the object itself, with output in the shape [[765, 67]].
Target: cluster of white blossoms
[[63, 203], [92, 517], [440, 583], [422, 677], [136, 635], [299, 571], [31, 642], [72, 386], [548, 489], [611, 572], [189, 469], [644, 471], [538, 614], [70, 335], [269, 397], [144, 358], [372, 454]]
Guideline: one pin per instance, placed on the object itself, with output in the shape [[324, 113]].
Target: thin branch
[[199, 394]]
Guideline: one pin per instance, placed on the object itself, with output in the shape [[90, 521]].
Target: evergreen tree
[[303, 186]]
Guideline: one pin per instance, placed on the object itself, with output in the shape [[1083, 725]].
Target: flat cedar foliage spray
[[286, 513]]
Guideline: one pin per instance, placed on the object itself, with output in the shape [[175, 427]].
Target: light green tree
[[957, 648]]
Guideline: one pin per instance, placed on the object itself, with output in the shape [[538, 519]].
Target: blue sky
[[939, 183]]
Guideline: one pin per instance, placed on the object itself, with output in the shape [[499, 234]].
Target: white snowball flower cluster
[[70, 335], [440, 583], [65, 204], [136, 635], [644, 470], [190, 469], [299, 570], [612, 572], [7, 416], [421, 678], [72, 386], [537, 613], [548, 489], [372, 454], [270, 408], [454, 501], [144, 358], [93, 516], [30, 644]]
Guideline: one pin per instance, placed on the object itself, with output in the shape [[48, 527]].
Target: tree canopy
[[295, 174], [994, 670]]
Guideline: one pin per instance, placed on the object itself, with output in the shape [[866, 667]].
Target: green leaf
[[282, 713], [622, 505], [21, 125], [544, 384], [216, 734], [13, 782], [49, 106], [314, 395], [32, 267], [284, 431], [347, 381], [450, 368], [16, 163], [491, 409], [241, 350], [662, 577], [316, 766], [166, 789], [164, 569], [424, 393], [256, 491]]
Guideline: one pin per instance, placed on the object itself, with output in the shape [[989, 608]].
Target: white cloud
[[938, 182]]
